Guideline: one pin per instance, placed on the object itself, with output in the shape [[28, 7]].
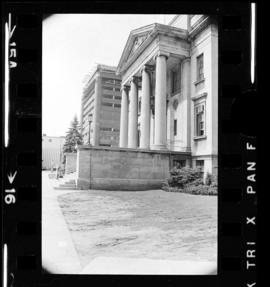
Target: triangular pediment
[[135, 40], [140, 38]]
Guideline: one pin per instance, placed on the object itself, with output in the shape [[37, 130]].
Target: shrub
[[179, 177], [190, 180]]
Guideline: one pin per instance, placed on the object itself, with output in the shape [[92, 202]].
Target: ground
[[141, 224]]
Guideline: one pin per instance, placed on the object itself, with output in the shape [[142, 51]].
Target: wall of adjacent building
[[71, 162], [51, 151], [105, 125], [110, 115]]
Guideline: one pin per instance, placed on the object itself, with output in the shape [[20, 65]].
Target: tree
[[73, 137]]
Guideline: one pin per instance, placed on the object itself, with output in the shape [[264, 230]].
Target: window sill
[[196, 138], [199, 81]]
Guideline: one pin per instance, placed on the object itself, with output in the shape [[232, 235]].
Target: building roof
[[97, 68]]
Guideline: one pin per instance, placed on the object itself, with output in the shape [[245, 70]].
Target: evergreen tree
[[73, 137]]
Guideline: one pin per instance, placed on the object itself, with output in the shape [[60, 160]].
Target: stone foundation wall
[[70, 165], [122, 169]]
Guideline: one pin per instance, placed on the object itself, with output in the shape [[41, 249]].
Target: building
[[100, 107], [169, 107], [170, 89], [52, 148]]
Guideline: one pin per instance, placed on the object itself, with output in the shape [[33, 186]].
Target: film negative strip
[[24, 195]]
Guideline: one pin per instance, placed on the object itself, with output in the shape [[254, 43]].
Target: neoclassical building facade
[[170, 90], [168, 114]]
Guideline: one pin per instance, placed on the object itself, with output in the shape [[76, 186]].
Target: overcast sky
[[72, 45]]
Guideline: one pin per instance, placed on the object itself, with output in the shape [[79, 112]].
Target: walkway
[[58, 253]]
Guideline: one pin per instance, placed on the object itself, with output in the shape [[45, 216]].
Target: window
[[175, 127], [117, 97], [107, 81], [200, 165], [117, 105], [179, 163], [117, 89], [108, 88], [139, 106], [107, 96], [200, 75], [106, 129], [107, 104], [200, 120], [175, 81]]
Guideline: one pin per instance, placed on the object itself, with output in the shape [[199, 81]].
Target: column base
[[159, 147], [147, 147]]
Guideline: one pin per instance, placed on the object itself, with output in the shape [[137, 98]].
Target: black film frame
[[22, 221]]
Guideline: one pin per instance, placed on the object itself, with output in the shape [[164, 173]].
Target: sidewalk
[[58, 253], [114, 265]]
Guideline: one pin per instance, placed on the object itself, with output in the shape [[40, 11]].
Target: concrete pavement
[[58, 252], [59, 255]]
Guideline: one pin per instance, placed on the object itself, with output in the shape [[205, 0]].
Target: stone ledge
[[87, 147]]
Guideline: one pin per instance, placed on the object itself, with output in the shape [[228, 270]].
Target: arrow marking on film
[[12, 177]]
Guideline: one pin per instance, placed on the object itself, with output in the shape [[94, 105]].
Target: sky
[[72, 45]]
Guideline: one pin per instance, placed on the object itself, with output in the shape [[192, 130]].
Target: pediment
[[137, 42], [140, 38]]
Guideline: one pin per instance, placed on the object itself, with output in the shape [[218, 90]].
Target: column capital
[[125, 88], [134, 79], [162, 53], [186, 59], [147, 68]]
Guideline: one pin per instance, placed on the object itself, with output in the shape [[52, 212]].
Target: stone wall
[[123, 169], [71, 159]]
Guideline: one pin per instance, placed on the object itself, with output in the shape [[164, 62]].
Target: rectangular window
[[107, 96], [139, 106], [106, 129], [107, 81], [107, 88], [117, 105], [200, 120], [117, 89], [200, 165], [175, 127], [200, 75], [117, 97], [107, 104], [179, 163], [175, 81]]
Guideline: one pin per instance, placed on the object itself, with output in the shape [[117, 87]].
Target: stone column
[[124, 118], [160, 139], [186, 103], [133, 114], [145, 109], [96, 114]]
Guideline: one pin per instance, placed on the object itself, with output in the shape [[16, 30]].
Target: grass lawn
[[143, 224]]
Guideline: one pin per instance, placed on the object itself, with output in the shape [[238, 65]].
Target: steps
[[67, 185]]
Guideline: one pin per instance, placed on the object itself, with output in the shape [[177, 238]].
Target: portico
[[145, 65]]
